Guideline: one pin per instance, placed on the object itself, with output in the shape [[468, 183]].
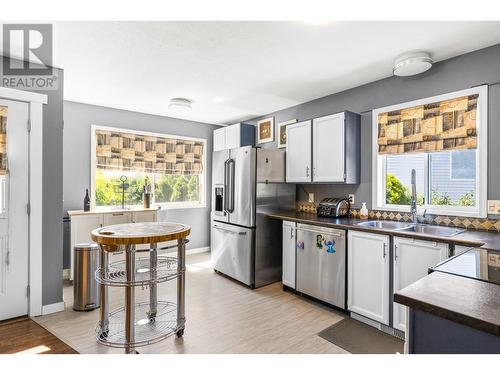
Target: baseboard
[[198, 250], [53, 308]]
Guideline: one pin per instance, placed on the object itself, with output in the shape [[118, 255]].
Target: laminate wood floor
[[222, 317], [23, 335]]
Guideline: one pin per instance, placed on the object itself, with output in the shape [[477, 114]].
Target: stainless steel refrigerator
[[247, 183]]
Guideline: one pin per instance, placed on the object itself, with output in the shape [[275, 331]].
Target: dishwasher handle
[[336, 234]]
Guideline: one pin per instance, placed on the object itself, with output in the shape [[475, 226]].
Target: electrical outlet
[[351, 198], [311, 197], [494, 207], [494, 260]]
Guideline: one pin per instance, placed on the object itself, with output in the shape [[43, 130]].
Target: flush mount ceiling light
[[181, 104], [411, 64]]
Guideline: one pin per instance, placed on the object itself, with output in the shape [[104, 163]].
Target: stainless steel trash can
[[85, 287]]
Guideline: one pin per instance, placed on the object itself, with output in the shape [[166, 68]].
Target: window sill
[[433, 211]]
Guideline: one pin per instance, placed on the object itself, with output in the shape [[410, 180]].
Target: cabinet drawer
[[117, 218]]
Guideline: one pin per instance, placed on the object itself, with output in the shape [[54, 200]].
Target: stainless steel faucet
[[413, 206]]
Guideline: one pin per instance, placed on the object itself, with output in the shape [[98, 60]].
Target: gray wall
[[475, 68], [52, 253], [78, 119]]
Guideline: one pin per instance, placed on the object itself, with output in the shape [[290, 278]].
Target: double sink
[[432, 230]]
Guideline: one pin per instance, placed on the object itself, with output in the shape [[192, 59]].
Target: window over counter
[[174, 167], [444, 138]]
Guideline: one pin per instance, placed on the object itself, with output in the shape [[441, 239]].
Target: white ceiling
[[238, 70]]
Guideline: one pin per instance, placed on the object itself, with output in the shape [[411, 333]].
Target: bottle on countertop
[[363, 212], [86, 201]]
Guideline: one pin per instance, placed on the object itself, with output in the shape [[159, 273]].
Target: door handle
[[226, 191], [229, 230], [7, 258], [231, 165], [395, 252], [336, 234], [307, 171], [385, 250], [291, 233]]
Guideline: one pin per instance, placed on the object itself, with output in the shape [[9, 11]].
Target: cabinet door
[[220, 139], [368, 275], [81, 226], [289, 260], [328, 148], [412, 259], [298, 152], [117, 218], [233, 136], [144, 217]]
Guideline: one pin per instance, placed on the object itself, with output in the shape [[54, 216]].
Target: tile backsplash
[[474, 223]]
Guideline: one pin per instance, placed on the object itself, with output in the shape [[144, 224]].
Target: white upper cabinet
[[298, 152], [368, 275], [412, 260], [329, 148], [328, 151], [220, 139], [234, 136]]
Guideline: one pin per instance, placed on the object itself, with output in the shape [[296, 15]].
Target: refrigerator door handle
[[229, 230], [226, 190], [231, 169]]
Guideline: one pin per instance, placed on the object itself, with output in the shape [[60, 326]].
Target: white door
[[412, 259], [13, 209], [233, 136], [328, 148], [298, 152], [220, 139], [289, 259], [368, 275]]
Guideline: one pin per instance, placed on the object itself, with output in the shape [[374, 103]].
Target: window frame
[[481, 188], [202, 203]]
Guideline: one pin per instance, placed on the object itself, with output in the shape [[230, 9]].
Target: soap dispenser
[[363, 212]]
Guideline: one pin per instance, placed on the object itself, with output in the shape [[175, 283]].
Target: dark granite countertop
[[467, 301], [451, 295], [473, 238]]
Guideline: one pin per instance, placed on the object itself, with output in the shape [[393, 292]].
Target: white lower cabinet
[[82, 223], [289, 259], [368, 275], [412, 259]]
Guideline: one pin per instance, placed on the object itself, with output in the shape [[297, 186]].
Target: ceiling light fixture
[[182, 104], [412, 64]]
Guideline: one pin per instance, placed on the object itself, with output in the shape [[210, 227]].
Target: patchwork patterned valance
[[152, 154], [439, 126], [3, 141]]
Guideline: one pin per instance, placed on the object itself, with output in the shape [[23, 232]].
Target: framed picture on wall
[[265, 130], [282, 132]]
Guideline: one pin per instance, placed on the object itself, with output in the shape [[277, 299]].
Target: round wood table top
[[139, 233]]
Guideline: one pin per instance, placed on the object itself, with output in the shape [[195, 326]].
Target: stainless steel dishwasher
[[321, 261]]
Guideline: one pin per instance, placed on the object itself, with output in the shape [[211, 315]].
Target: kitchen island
[[456, 308]]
